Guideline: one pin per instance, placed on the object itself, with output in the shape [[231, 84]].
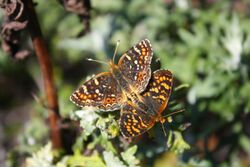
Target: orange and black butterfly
[[109, 91]]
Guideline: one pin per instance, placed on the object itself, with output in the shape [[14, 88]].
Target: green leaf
[[129, 157], [42, 158], [87, 118], [176, 142], [86, 161], [108, 5], [195, 163], [108, 126], [245, 143], [233, 42], [111, 160], [244, 92], [104, 142]]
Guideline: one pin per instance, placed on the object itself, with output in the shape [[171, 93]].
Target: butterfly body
[[122, 82]]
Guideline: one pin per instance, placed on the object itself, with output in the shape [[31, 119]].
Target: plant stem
[[46, 68]]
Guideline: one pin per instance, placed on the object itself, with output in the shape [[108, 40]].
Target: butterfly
[[137, 118], [126, 80]]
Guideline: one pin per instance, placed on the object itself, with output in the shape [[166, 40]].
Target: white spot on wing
[[96, 81], [74, 95], [137, 50], [128, 57], [84, 88]]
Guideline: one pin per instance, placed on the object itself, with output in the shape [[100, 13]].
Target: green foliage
[[129, 156], [88, 123], [79, 160], [108, 126], [178, 145], [204, 43], [32, 138], [112, 160], [43, 158], [195, 163]]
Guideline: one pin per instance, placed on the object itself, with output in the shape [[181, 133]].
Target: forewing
[[133, 121], [158, 90], [135, 65], [101, 91]]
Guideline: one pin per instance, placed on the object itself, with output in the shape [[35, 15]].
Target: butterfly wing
[[101, 91], [133, 121], [135, 65], [158, 90]]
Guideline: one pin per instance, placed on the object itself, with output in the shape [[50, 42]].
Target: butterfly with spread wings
[[108, 91]]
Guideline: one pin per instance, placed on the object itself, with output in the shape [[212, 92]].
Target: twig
[[47, 72]]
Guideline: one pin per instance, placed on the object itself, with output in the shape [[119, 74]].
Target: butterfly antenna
[[181, 87], [173, 113], [97, 61], [116, 48], [163, 129]]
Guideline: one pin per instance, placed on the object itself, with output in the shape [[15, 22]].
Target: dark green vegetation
[[205, 43]]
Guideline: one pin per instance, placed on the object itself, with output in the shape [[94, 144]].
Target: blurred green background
[[205, 43]]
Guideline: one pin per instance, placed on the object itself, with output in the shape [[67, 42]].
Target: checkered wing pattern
[[101, 91], [135, 65], [133, 121], [158, 90]]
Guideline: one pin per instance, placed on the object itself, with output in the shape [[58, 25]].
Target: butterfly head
[[113, 66]]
